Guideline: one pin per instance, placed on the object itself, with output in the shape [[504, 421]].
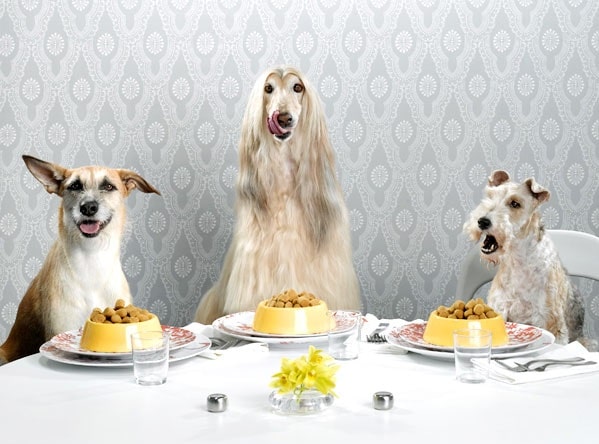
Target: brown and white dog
[[530, 286], [83, 267], [292, 226]]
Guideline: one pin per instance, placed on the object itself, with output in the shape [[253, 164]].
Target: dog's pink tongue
[[273, 124], [90, 227]]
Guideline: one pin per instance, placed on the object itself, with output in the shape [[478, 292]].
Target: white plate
[[217, 325], [542, 343], [242, 324], [271, 340], [70, 342], [48, 350], [519, 335]]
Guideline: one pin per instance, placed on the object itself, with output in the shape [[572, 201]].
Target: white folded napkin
[[208, 331], [574, 349]]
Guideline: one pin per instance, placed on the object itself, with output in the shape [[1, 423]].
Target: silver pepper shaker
[[216, 402], [382, 400]]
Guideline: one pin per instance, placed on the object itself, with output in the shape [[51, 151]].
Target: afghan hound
[[292, 226]]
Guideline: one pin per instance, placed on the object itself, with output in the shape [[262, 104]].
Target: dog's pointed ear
[[49, 174], [132, 180], [498, 177], [538, 192]]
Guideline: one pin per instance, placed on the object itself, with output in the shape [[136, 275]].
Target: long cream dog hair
[[292, 227]]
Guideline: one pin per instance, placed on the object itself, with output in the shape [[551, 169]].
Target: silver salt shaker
[[382, 400], [216, 402]]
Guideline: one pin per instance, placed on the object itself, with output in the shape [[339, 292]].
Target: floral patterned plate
[[242, 324], [546, 340], [277, 341], [49, 351], [519, 335], [69, 342]]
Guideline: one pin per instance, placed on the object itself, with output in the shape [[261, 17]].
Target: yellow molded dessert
[[439, 331], [114, 338], [291, 321]]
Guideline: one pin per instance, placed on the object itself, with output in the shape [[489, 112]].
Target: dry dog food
[[291, 299], [120, 314], [473, 309]]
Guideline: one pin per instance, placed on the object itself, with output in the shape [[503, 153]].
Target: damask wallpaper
[[424, 99]]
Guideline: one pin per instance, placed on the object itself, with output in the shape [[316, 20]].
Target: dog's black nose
[[484, 223], [285, 120], [89, 208]]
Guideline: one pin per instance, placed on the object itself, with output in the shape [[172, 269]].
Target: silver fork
[[550, 360], [525, 367], [542, 368], [223, 344], [376, 335]]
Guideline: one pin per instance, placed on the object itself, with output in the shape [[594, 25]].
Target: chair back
[[578, 251]]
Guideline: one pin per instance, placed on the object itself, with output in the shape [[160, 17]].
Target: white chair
[[578, 251]]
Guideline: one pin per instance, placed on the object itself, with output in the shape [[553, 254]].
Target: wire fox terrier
[[531, 286]]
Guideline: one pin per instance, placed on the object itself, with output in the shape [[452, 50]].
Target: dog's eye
[[514, 204], [298, 88], [268, 88], [75, 186], [107, 186]]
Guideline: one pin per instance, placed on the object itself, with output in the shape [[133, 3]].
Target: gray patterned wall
[[424, 99]]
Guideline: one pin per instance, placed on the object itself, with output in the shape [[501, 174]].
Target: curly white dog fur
[[292, 228], [531, 286]]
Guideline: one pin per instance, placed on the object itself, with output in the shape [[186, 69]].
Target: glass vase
[[308, 403]]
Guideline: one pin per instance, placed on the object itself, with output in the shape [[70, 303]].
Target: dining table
[[46, 401]]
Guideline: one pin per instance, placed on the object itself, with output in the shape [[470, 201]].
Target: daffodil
[[316, 370]]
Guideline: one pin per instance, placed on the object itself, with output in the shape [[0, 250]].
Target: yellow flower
[[316, 370], [286, 379]]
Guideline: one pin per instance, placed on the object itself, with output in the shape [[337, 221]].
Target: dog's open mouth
[[490, 245], [91, 228]]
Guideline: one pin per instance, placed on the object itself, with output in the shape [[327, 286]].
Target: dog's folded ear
[[132, 180], [49, 174], [498, 177], [537, 191]]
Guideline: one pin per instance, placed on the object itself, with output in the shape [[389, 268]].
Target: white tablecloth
[[46, 401]]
